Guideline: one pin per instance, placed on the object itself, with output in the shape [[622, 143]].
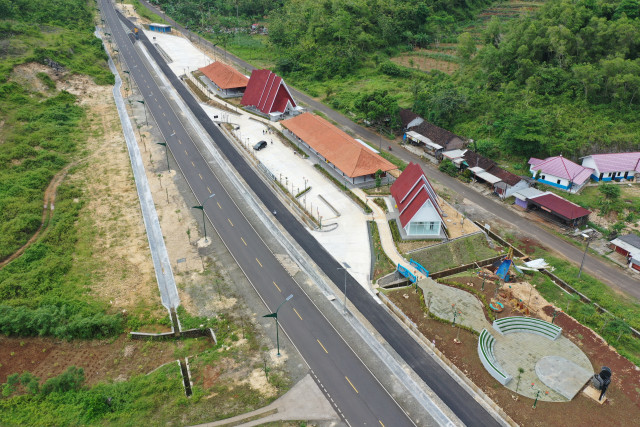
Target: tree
[[466, 46], [610, 191], [448, 167]]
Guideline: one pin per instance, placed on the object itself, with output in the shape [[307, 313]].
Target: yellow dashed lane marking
[[245, 243], [381, 423], [231, 223], [200, 176], [277, 287], [180, 142], [185, 152], [325, 350], [209, 190], [192, 164], [297, 313], [259, 262], [354, 387], [219, 205]]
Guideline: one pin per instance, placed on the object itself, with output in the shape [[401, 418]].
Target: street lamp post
[[145, 111], [588, 239], [275, 316], [204, 223], [345, 268]]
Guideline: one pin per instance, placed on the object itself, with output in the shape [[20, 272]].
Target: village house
[[613, 166], [433, 139], [629, 247], [560, 172]]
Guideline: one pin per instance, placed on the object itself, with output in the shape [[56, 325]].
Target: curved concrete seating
[[485, 352], [527, 324]]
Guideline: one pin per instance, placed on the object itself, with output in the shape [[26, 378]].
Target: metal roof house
[[628, 246], [419, 214], [560, 209], [560, 172], [268, 94], [352, 160], [613, 166]]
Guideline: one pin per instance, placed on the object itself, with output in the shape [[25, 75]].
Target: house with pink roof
[[613, 166], [560, 172], [419, 214]]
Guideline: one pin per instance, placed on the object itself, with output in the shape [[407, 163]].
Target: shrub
[[448, 167]]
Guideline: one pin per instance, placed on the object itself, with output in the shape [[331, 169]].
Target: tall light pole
[[275, 316], [345, 268], [588, 238], [204, 223], [166, 149]]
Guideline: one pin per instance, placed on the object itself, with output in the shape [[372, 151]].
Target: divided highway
[[357, 394]]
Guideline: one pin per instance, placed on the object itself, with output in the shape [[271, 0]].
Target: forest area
[[564, 78]]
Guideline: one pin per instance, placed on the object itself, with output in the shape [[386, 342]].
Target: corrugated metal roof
[[267, 92], [617, 162], [411, 190], [562, 168], [224, 76], [336, 146], [560, 205]]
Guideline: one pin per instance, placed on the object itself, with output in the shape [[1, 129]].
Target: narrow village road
[[612, 275]]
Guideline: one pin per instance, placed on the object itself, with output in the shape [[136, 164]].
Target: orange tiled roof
[[224, 76], [337, 147]]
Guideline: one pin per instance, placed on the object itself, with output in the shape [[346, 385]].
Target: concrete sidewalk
[[386, 238], [304, 402]]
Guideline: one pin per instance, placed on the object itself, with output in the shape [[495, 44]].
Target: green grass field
[[453, 254]]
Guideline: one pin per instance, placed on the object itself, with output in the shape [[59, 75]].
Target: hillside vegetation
[[42, 131]]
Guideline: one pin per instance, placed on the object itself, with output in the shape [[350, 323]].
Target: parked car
[[260, 145]]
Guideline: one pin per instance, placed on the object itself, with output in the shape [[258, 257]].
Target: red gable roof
[[560, 206], [267, 92], [224, 76], [411, 191]]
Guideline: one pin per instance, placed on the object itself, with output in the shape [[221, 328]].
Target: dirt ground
[[116, 360], [424, 63], [622, 407]]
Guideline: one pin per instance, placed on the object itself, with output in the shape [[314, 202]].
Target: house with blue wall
[[560, 172], [160, 28], [613, 166]]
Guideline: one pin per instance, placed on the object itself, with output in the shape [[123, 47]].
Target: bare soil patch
[[622, 407], [116, 360], [424, 63]]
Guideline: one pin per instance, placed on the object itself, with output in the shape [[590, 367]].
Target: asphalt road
[[612, 275], [359, 397]]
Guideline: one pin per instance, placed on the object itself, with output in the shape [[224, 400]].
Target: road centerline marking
[[259, 262], [297, 313], [209, 190], [245, 243], [200, 176], [219, 205], [325, 350], [185, 152], [381, 423], [278, 287], [354, 387], [192, 164], [232, 226]]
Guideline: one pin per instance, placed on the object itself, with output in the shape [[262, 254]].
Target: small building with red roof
[[354, 161], [613, 166], [560, 172], [226, 80], [268, 94], [419, 214], [560, 209]]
